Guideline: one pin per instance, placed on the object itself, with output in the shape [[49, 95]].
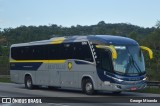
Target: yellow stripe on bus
[[57, 40], [43, 61], [56, 61]]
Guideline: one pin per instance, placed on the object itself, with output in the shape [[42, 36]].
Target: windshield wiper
[[133, 62]]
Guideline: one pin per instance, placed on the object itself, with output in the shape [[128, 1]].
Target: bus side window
[[18, 53], [67, 50], [37, 52], [104, 60], [82, 51], [54, 51]]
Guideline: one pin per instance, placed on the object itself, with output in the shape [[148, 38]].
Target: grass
[[6, 80], [154, 90]]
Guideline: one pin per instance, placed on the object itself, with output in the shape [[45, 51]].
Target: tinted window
[[36, 52], [82, 51], [60, 51], [17, 52], [67, 51], [78, 50], [28, 53], [54, 52], [104, 60]]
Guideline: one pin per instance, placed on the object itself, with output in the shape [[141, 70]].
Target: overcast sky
[[14, 13]]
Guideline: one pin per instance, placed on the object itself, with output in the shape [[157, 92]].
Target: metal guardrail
[[153, 83]]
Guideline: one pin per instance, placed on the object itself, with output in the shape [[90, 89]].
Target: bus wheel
[[88, 87], [28, 82]]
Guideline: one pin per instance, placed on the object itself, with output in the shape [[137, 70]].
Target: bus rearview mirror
[[149, 51], [111, 48]]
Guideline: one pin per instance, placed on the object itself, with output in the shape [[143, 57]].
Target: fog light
[[144, 79], [118, 86]]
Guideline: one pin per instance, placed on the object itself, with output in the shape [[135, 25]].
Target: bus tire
[[28, 82], [88, 87]]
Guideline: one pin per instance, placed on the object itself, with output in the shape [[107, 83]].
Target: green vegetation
[[154, 90], [145, 36], [4, 61], [5, 79]]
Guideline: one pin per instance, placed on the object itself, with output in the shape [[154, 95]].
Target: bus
[[90, 63]]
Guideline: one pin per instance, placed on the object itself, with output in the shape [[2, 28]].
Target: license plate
[[133, 88]]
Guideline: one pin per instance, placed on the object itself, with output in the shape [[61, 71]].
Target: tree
[[101, 23], [158, 24], [133, 35], [0, 50], [145, 36]]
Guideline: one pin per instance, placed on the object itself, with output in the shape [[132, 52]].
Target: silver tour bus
[[90, 63]]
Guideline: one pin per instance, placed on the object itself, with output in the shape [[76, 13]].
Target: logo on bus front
[[69, 65]]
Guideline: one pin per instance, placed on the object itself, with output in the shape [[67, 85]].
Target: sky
[[14, 13]]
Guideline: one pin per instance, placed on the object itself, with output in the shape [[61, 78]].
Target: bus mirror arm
[[149, 51], [111, 48]]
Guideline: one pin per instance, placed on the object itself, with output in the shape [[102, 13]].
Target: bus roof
[[103, 39], [96, 39], [113, 40]]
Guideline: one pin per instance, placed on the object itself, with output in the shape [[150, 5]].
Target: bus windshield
[[130, 60]]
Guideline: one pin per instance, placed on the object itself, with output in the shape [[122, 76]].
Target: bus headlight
[[117, 79], [144, 79]]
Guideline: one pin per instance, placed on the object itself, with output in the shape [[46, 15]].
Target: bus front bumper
[[124, 87]]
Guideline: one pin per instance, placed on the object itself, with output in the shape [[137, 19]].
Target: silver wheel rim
[[88, 87], [29, 83]]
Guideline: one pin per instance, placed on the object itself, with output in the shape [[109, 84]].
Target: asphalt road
[[18, 90]]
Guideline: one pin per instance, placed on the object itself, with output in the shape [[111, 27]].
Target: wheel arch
[[88, 77], [28, 74]]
